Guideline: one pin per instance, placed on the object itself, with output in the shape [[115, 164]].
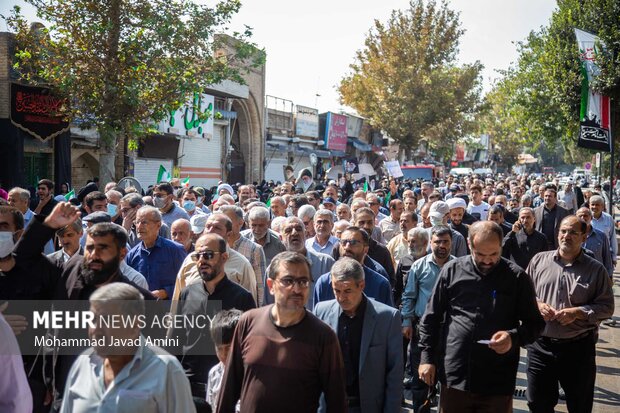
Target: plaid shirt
[[254, 253]]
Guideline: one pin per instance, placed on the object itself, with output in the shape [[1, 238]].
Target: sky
[[311, 44]]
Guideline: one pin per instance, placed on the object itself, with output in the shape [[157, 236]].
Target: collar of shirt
[[430, 259], [224, 282], [558, 259], [359, 311], [158, 244], [96, 362], [330, 241]]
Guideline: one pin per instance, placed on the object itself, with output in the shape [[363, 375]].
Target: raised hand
[[62, 215]]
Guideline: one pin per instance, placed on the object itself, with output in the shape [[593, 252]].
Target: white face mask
[[6, 243]]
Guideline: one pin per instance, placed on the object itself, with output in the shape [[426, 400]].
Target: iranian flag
[[185, 182], [163, 175], [595, 108]]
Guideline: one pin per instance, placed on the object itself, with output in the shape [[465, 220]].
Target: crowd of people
[[332, 295]]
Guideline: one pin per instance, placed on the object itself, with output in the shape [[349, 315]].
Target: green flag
[[70, 195], [365, 186], [387, 198], [162, 175], [268, 203], [185, 182]]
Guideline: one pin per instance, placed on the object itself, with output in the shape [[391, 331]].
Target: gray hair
[[259, 212], [596, 199], [24, 194], [152, 211], [361, 202], [418, 233], [133, 199], [127, 297], [324, 213], [276, 224], [306, 211], [75, 225], [114, 192], [278, 199], [347, 269], [527, 210], [232, 208]]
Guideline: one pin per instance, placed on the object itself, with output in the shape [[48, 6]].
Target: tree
[[405, 80], [123, 65], [542, 91]]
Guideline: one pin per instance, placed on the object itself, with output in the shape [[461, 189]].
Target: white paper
[[487, 342]]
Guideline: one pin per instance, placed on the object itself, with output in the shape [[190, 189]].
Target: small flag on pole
[[163, 175], [366, 186], [70, 195], [185, 182]]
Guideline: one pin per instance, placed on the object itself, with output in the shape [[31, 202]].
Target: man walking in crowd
[[523, 242], [130, 204], [163, 199], [399, 245], [181, 233], [390, 226], [574, 295], [548, 217], [113, 378], [156, 258], [284, 347], [259, 232], [481, 310], [323, 241], [199, 299], [361, 323], [604, 222], [477, 207], [294, 239], [596, 241], [354, 244], [418, 289]]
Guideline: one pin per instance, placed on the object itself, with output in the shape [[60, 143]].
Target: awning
[[362, 146], [323, 154]]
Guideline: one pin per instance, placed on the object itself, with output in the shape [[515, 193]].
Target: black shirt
[[198, 348], [548, 225], [474, 307], [402, 270], [350, 338], [520, 247]]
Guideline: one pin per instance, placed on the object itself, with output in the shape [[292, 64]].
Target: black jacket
[[474, 307]]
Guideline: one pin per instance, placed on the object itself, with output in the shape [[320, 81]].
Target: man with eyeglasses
[[373, 377], [281, 354], [574, 294], [163, 199], [323, 240], [293, 232], [215, 292], [354, 244]]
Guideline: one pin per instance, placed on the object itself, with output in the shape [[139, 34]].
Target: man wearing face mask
[[163, 199], [113, 208], [482, 308], [189, 201]]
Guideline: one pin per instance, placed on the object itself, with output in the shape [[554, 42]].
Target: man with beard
[[457, 210], [259, 232], [354, 244], [399, 245], [80, 276], [199, 299], [323, 240], [294, 239], [523, 242], [482, 309], [418, 290]]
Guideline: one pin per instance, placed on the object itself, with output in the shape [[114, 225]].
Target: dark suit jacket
[[381, 355], [559, 216]]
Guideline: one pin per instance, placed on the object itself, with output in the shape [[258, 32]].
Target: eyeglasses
[[207, 255], [288, 282], [352, 242]]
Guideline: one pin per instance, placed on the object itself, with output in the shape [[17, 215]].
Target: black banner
[[36, 111], [592, 136]]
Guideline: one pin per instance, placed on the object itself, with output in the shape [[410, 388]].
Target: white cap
[[198, 222], [456, 202], [439, 209]]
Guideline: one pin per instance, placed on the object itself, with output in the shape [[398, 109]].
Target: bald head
[[484, 231], [181, 232]]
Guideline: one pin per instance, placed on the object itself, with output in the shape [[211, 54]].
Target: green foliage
[[121, 64], [405, 80], [535, 105]]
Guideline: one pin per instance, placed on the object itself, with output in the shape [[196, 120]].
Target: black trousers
[[571, 363], [459, 401]]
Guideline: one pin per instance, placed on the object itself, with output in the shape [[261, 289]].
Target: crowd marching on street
[[332, 296]]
